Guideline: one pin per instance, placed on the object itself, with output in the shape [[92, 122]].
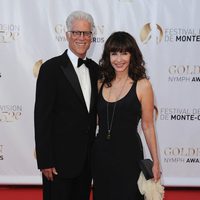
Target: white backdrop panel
[[168, 33]]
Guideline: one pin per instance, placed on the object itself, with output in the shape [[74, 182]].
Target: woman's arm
[[146, 98]]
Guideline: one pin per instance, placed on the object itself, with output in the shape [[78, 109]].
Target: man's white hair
[[77, 15]]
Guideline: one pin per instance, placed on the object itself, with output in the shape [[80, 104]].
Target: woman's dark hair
[[121, 42]]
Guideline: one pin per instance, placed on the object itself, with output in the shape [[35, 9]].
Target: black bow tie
[[81, 61]]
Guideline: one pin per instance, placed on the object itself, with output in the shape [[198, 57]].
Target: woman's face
[[120, 61]]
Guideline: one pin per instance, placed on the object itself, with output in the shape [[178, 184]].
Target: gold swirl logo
[[36, 68], [34, 154], [151, 32]]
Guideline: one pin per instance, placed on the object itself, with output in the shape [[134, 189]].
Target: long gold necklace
[[110, 122]]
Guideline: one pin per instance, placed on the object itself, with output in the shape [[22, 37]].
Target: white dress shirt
[[83, 77]]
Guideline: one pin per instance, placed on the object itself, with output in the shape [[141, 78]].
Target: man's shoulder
[[54, 61], [51, 65], [93, 63], [94, 67]]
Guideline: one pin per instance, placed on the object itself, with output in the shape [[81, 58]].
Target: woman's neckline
[[112, 102]]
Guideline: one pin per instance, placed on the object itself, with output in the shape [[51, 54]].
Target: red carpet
[[35, 193]]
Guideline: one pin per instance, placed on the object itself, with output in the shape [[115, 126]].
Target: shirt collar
[[73, 58]]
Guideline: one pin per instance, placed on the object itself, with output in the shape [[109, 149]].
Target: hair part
[[79, 15]]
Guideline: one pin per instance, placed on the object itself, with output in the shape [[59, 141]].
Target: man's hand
[[49, 173]]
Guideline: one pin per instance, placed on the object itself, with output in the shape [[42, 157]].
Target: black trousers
[[77, 188]]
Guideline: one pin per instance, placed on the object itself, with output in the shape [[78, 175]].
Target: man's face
[[79, 43]]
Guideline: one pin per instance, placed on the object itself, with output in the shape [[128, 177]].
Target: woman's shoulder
[[144, 83], [143, 88]]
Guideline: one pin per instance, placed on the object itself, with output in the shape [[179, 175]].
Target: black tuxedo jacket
[[64, 129]]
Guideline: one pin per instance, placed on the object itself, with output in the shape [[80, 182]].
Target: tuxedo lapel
[[71, 76]]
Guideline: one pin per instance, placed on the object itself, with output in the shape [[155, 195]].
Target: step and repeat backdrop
[[168, 33]]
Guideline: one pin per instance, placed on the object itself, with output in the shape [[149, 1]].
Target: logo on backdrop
[[10, 113], [155, 118], [179, 114], [178, 34], [184, 73], [99, 34], [151, 33], [60, 33], [36, 68], [189, 155], [9, 32], [1, 152], [34, 154]]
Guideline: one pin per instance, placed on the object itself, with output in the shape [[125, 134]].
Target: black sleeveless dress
[[115, 161]]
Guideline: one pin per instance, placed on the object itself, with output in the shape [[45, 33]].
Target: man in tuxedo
[[65, 114]]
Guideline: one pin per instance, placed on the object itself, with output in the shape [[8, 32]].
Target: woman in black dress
[[125, 97]]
